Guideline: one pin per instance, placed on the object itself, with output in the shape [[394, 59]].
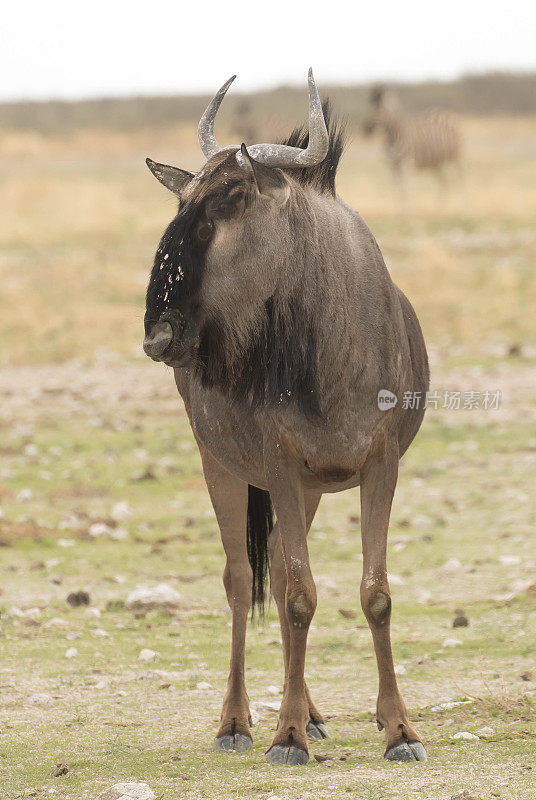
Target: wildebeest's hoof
[[287, 754], [237, 743], [407, 751], [317, 730]]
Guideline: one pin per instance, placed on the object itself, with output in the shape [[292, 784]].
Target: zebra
[[428, 140]]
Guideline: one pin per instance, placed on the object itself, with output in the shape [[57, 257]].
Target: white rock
[[400, 669], [160, 675], [503, 598], [119, 534], [162, 596], [56, 622], [128, 791], [451, 565], [65, 542], [469, 737], [121, 511], [422, 521], [446, 706], [99, 529], [452, 642], [24, 495], [255, 716], [269, 706], [148, 655], [274, 691], [40, 699], [92, 613], [27, 614], [520, 586], [424, 596], [72, 652], [509, 561], [396, 580], [203, 686], [484, 733]]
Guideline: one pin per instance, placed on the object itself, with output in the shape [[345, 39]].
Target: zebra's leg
[[442, 182], [400, 179], [460, 168]]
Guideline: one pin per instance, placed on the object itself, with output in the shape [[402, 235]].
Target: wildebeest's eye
[[230, 204], [204, 230]]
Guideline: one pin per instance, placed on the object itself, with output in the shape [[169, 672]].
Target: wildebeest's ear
[[172, 178], [270, 181]]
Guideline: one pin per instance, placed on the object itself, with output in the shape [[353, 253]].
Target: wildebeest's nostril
[[158, 340]]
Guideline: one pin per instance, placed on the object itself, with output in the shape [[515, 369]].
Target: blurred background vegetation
[[80, 215], [482, 94]]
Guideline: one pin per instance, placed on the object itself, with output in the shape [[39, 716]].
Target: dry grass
[[80, 218]]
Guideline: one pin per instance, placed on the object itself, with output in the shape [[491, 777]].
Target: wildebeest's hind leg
[[229, 497], [378, 482], [316, 728]]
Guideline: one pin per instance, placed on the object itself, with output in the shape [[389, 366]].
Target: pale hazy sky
[[67, 49]]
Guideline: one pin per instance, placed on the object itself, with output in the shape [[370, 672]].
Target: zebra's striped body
[[427, 140]]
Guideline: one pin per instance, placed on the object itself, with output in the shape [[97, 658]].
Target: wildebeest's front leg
[[290, 742], [229, 497], [378, 482], [316, 728]]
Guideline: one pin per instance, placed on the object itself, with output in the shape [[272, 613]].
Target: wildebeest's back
[[412, 417]]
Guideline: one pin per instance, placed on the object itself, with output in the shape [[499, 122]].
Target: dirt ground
[[78, 440]]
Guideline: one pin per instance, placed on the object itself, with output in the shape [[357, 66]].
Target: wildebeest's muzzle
[[166, 340]]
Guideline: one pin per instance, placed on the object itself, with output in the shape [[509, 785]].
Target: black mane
[[323, 175], [278, 369]]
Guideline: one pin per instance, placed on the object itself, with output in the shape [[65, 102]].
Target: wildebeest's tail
[[260, 524]]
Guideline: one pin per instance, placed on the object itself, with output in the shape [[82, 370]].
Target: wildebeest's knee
[[227, 579], [377, 607], [300, 609]]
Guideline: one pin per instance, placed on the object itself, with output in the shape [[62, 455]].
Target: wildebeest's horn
[[273, 155], [281, 155], [205, 129]]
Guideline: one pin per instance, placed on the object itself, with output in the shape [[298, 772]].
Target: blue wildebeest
[[271, 300]]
